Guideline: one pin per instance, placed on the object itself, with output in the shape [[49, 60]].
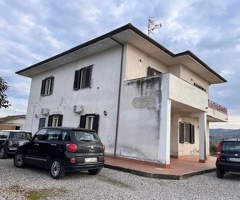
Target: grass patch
[[38, 194]]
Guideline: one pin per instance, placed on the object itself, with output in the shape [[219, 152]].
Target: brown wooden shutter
[[82, 121], [43, 87], [50, 119], [77, 76], [192, 134], [95, 123], [181, 132], [51, 86], [60, 119], [88, 77]]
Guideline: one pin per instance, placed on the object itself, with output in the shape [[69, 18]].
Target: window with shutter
[[47, 86], [89, 121], [186, 133], [82, 78], [55, 120], [152, 72]]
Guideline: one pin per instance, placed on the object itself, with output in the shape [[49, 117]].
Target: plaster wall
[[102, 96], [185, 93], [139, 119], [137, 63]]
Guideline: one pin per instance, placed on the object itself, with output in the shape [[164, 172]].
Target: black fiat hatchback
[[63, 149]]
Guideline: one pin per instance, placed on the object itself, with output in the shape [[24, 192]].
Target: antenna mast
[[152, 26]]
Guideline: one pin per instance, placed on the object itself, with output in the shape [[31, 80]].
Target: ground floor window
[[186, 133], [55, 120], [42, 122], [89, 121]]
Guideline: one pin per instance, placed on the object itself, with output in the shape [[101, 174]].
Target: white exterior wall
[[102, 96], [185, 93], [136, 68], [139, 119]]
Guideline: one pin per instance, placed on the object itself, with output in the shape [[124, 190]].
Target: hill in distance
[[224, 134]]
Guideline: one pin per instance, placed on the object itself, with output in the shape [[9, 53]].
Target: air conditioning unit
[[45, 111], [78, 109]]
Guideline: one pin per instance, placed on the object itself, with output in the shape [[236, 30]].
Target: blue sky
[[34, 30]]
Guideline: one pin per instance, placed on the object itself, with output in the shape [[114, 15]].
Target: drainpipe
[[119, 96]]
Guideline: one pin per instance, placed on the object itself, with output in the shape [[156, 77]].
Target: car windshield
[[20, 135], [85, 136], [231, 146]]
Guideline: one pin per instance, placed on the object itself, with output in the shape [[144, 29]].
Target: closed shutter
[[43, 87], [96, 123], [192, 135], [88, 77], [82, 121], [181, 132], [77, 77], [60, 119], [50, 119], [51, 86]]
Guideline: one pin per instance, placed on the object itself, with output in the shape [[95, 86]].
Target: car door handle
[[53, 144]]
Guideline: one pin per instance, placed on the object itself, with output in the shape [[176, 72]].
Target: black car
[[228, 157], [63, 149], [11, 139]]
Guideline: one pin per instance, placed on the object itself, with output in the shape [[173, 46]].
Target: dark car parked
[[11, 139], [228, 157], [63, 149]]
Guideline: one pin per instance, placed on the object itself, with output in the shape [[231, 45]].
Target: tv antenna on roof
[[152, 26]]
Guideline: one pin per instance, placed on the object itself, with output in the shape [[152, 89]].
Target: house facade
[[14, 122], [145, 102]]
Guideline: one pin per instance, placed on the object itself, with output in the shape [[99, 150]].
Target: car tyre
[[18, 160], [57, 171], [220, 173], [94, 171], [3, 153]]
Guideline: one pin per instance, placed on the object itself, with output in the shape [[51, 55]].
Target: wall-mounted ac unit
[[45, 111], [78, 109]]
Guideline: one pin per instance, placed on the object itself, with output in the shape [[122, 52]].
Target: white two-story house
[[145, 102]]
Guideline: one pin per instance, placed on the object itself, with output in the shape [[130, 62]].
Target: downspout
[[119, 96]]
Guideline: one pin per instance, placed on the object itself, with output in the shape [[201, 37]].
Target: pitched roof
[[13, 117], [125, 34]]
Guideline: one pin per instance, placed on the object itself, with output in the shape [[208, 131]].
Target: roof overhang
[[125, 34]]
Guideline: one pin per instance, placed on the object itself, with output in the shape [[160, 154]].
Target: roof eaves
[[189, 53]]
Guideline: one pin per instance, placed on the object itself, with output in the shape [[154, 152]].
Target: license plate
[[234, 159], [89, 160]]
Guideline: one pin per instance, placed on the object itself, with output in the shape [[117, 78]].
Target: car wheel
[[94, 171], [220, 173], [57, 170], [3, 153], [18, 160]]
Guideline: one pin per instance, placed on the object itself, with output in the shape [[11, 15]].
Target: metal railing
[[217, 107]]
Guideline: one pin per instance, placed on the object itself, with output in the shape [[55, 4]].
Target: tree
[[3, 97]]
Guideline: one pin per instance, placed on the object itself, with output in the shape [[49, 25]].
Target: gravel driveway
[[35, 183]]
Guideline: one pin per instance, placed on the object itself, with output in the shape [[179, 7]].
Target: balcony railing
[[217, 107]]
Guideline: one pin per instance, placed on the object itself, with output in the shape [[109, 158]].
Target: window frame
[[54, 117], [186, 133], [83, 78], [47, 86]]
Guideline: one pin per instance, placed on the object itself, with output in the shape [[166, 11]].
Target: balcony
[[217, 107]]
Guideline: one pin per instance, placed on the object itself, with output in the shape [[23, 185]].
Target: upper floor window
[[152, 72], [82, 78], [47, 86]]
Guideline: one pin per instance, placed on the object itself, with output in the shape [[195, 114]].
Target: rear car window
[[231, 146], [85, 136], [20, 135]]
